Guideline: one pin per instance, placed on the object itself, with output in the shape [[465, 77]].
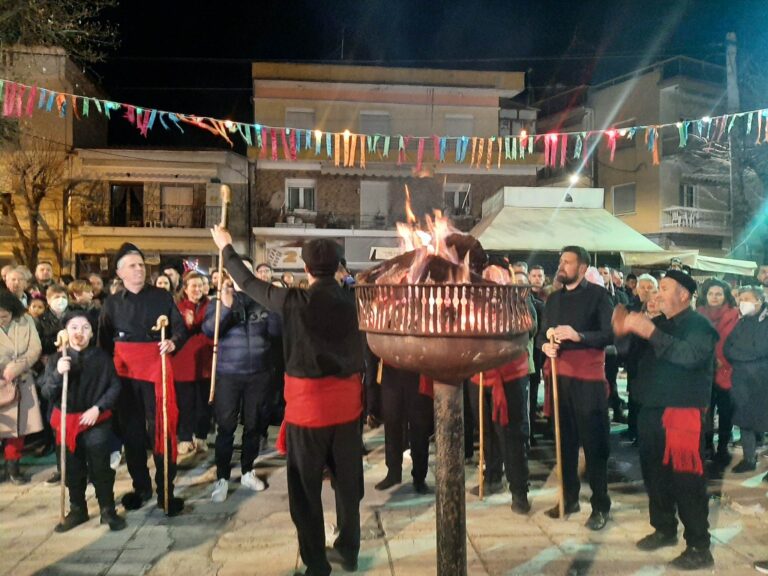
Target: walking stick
[[62, 339], [162, 323], [226, 197], [481, 464], [558, 446]]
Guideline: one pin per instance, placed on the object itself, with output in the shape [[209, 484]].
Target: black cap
[[174, 263], [125, 249], [322, 256], [73, 313], [683, 279]]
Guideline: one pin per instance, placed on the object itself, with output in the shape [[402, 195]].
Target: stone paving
[[252, 533]]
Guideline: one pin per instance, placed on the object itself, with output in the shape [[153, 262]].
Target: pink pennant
[[286, 149], [436, 147], [611, 135], [420, 155], [563, 149], [293, 145], [274, 143], [264, 142], [31, 100]]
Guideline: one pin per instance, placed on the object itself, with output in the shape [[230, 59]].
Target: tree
[[74, 25]]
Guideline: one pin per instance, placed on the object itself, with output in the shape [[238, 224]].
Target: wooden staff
[[62, 339], [162, 323], [481, 464], [226, 197], [558, 446]]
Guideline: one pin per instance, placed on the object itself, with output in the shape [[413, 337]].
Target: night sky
[[194, 56]]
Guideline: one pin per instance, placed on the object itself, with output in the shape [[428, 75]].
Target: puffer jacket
[[245, 331]]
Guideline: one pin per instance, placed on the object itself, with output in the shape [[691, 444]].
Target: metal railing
[[165, 216], [696, 219]]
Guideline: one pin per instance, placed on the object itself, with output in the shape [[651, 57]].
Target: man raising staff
[[323, 394], [125, 329], [674, 381], [579, 317]]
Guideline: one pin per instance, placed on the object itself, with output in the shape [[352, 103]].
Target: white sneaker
[[220, 489], [253, 482], [114, 460]]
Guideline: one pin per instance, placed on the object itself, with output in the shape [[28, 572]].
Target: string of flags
[[347, 149]]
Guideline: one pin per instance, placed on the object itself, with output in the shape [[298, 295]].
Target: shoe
[[185, 449], [597, 520], [761, 566], [389, 481], [75, 517], [520, 504], [489, 488], [220, 490], [135, 500], [175, 505], [14, 473], [619, 417], [253, 482], [201, 446], [336, 557], [693, 559], [420, 486], [745, 466], [110, 517], [656, 540], [53, 480], [114, 460], [572, 508]]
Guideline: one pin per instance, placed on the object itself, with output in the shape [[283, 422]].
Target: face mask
[[59, 305], [747, 308]]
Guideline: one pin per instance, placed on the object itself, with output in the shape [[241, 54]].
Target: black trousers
[[194, 410], [584, 421], [310, 450], [405, 411], [670, 491], [91, 460], [633, 407], [137, 426], [611, 373], [506, 446], [233, 391], [722, 401]]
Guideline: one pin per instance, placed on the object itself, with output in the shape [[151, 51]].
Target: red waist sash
[[584, 364], [320, 402], [142, 361], [683, 432], [74, 428], [193, 361], [495, 378]]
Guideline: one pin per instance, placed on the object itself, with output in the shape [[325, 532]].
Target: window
[[456, 199], [689, 197], [624, 199], [177, 206], [459, 125], [375, 123], [127, 204], [300, 195], [301, 118]]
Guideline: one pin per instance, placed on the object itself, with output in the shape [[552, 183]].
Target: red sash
[[74, 428], [683, 433], [584, 364], [320, 402], [142, 361], [495, 378]]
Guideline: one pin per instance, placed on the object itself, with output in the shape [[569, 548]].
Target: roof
[[693, 259]]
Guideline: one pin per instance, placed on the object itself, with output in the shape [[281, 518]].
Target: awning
[[549, 229], [690, 258]]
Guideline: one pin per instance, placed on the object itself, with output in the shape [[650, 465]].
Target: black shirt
[[320, 330], [587, 309], [92, 380], [676, 366], [129, 317]]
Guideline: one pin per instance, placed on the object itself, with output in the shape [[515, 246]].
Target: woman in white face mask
[[747, 351]]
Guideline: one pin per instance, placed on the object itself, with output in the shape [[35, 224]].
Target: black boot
[[175, 505], [135, 500], [14, 473], [520, 504], [110, 517], [78, 514], [390, 480]]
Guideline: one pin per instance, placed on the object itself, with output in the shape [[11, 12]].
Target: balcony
[[342, 220], [687, 220], [166, 216]]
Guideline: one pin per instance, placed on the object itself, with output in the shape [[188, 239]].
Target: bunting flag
[[18, 100]]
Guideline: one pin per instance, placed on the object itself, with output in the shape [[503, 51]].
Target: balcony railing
[[696, 220], [347, 220], [166, 216]]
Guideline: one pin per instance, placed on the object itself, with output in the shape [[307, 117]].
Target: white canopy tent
[[546, 219], [690, 258]]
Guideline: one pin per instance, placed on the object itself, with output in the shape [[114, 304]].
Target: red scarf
[[495, 378], [724, 319], [583, 364], [320, 402], [193, 361], [142, 361], [683, 436], [74, 428]]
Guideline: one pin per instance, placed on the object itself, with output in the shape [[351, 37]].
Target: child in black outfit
[[92, 391]]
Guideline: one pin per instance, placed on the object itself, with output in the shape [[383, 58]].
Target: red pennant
[[420, 155], [274, 143]]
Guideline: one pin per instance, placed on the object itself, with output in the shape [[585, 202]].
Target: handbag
[[9, 393]]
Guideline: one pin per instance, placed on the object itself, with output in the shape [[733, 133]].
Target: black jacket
[[92, 380]]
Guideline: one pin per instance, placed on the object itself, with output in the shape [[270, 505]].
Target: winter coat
[[747, 351], [245, 331], [724, 319], [92, 380], [21, 345]]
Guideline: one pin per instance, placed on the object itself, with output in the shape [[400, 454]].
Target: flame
[[409, 215]]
